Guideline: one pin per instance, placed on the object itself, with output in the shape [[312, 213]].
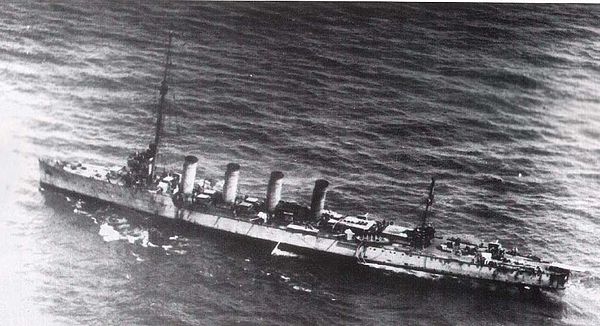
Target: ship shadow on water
[[329, 273]]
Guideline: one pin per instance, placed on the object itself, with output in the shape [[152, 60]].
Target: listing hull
[[93, 181]]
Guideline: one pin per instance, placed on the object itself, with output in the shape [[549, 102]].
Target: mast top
[[429, 201], [163, 85]]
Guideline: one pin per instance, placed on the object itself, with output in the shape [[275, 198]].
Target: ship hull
[[454, 268], [95, 184], [164, 206]]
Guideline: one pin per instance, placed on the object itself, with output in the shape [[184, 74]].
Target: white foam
[[144, 237], [137, 257], [405, 271], [300, 288], [582, 303], [109, 234]]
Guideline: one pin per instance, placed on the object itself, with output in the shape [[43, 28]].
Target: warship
[[377, 244]]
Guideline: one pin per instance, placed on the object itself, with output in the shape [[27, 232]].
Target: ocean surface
[[500, 102]]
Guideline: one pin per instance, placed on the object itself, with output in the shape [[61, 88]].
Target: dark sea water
[[500, 102]]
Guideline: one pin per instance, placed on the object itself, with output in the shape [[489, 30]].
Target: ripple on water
[[497, 102]]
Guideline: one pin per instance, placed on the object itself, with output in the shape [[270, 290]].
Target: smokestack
[[231, 182], [189, 175], [317, 203], [274, 190]]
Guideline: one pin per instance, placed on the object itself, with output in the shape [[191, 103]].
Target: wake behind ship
[[378, 244]]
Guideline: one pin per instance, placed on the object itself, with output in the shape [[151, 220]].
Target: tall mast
[[164, 88], [429, 202]]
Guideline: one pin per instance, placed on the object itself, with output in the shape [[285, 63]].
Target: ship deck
[[102, 173]]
